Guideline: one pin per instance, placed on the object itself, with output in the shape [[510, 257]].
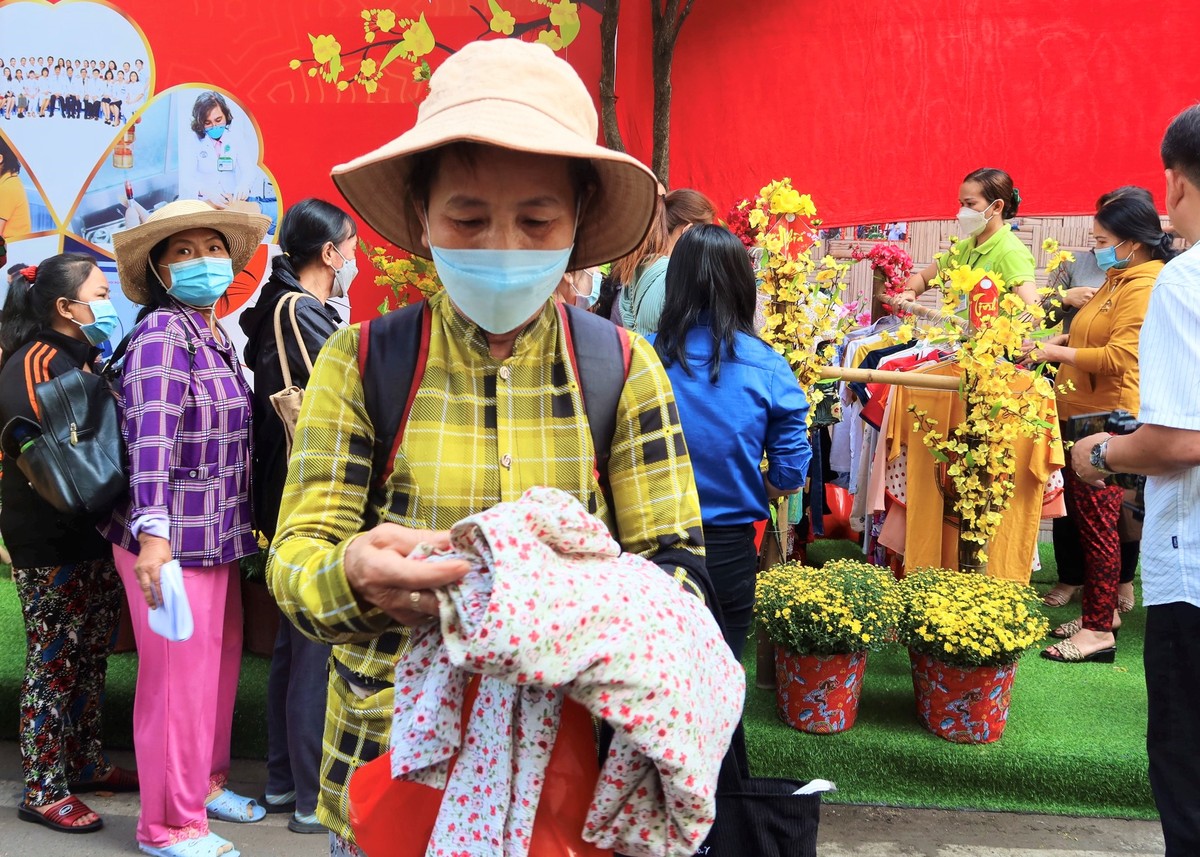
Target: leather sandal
[[1125, 603], [1067, 652], [1059, 596], [118, 780], [62, 816]]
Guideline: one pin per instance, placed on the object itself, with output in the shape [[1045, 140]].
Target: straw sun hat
[[243, 232], [514, 95]]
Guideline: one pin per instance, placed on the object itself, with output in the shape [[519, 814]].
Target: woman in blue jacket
[[737, 399]]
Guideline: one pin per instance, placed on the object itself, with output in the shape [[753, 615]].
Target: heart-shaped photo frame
[[61, 123]]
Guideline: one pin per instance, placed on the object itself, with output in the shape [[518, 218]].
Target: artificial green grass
[[1074, 744], [249, 716]]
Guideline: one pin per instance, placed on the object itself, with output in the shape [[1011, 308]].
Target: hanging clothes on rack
[[927, 499]]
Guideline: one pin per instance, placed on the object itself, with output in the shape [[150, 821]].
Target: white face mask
[[343, 276], [972, 222]]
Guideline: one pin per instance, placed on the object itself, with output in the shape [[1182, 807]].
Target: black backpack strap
[[392, 351], [600, 353]]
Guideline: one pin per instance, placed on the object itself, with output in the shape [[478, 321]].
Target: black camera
[[1113, 422]]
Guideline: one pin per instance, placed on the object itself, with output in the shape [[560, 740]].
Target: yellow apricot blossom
[[551, 39], [325, 48]]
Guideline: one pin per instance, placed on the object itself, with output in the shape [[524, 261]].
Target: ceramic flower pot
[[965, 705], [818, 693]]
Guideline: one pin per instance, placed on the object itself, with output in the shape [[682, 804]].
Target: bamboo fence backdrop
[[927, 237]]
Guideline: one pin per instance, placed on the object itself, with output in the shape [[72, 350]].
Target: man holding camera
[[1167, 449]]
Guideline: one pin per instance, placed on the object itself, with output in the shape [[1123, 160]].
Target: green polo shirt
[[1003, 253]]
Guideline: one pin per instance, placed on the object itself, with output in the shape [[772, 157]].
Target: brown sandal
[[1125, 603], [1061, 595], [118, 780], [1067, 652]]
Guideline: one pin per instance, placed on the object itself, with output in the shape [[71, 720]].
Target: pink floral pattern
[[553, 610]]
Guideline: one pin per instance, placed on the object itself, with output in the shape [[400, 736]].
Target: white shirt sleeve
[[1169, 349]]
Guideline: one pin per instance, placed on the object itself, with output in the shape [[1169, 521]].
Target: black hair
[[29, 309], [710, 274], [425, 165], [1132, 217], [1181, 145], [20, 266], [205, 102], [1124, 190], [10, 163], [997, 185], [304, 231]]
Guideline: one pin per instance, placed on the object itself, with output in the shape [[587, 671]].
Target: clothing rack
[[922, 311], [916, 380]]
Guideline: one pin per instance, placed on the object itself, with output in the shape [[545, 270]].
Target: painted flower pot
[[966, 705], [818, 693]]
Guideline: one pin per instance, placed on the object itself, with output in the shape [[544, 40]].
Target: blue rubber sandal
[[231, 806], [203, 846]]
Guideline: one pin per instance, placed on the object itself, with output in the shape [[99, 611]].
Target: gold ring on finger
[[414, 598]]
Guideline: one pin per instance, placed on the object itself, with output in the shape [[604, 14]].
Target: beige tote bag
[[288, 400]]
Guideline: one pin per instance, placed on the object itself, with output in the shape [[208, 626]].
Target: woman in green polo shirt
[[988, 200]]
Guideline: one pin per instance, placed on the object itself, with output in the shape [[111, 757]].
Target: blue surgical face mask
[[1106, 258], [500, 289], [104, 324], [215, 132], [200, 282]]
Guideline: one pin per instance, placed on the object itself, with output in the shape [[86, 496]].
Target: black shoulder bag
[[73, 456]]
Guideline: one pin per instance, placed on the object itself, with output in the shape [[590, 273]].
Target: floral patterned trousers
[[71, 616]]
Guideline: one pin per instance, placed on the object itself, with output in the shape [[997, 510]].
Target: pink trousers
[[183, 707]]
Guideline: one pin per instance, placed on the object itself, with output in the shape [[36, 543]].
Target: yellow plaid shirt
[[481, 432]]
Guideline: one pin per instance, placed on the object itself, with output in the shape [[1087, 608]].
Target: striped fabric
[[1169, 359], [186, 423], [480, 432]]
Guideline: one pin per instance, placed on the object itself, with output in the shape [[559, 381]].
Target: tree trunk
[[664, 53], [608, 75]]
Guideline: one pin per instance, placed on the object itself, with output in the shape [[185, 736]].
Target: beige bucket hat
[[514, 95], [243, 231]]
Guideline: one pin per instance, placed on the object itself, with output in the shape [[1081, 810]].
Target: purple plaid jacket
[[186, 422]]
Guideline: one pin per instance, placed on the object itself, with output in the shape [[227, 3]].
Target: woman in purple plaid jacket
[[186, 421]]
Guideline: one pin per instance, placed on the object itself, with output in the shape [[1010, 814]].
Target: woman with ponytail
[[1098, 371], [318, 262], [737, 400], [987, 200], [55, 316]]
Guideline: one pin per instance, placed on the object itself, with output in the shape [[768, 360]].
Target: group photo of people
[[524, 522], [46, 87]]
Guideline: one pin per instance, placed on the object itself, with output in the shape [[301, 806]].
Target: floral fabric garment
[[70, 614], [553, 610]]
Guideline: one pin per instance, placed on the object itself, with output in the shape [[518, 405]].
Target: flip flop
[[61, 816], [202, 846], [232, 807], [118, 780]]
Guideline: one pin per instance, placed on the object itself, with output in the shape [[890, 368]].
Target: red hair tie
[[30, 273]]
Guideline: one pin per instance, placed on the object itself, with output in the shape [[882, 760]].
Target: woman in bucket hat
[[502, 184], [186, 422]]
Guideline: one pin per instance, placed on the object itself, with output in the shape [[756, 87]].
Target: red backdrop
[[875, 109], [879, 109]]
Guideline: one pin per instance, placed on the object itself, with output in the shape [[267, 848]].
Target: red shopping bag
[[395, 818]]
